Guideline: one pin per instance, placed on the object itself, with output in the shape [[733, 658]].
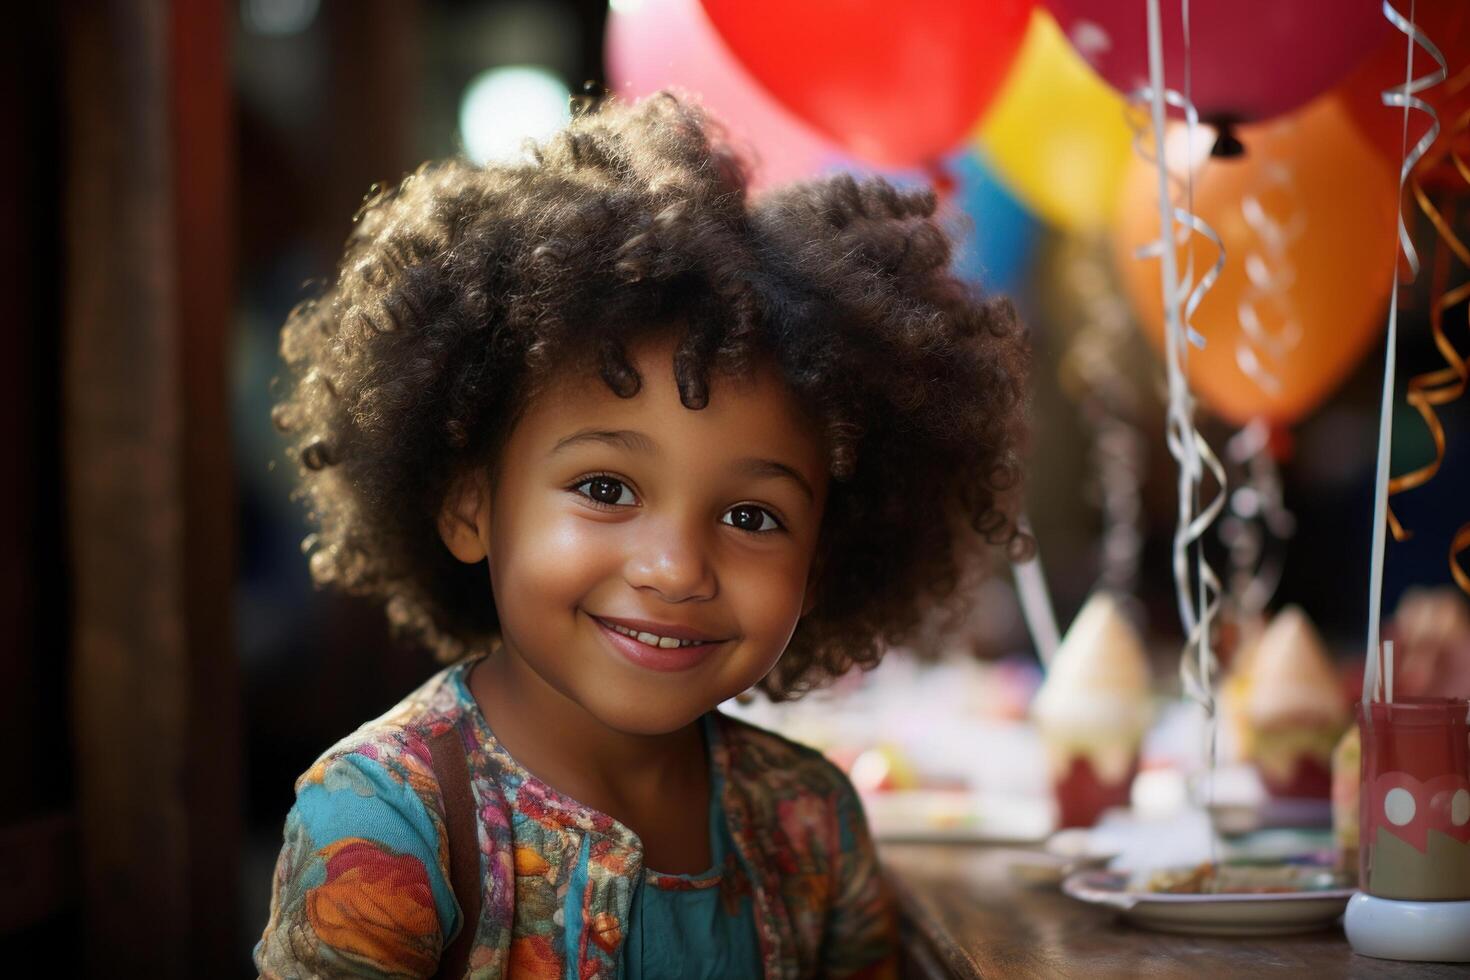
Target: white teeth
[[653, 639]]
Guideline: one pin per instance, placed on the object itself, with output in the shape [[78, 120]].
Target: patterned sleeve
[[361, 886], [862, 928]]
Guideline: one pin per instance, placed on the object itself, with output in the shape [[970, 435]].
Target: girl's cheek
[[767, 596], [548, 552], [567, 549]]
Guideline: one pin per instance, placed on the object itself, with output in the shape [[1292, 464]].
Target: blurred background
[[184, 174]]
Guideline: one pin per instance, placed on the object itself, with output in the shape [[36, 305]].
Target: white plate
[[957, 816], [1067, 851], [1042, 869], [1270, 914]]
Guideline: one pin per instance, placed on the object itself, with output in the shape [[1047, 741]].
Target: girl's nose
[[672, 561]]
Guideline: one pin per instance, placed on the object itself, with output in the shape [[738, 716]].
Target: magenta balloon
[[1249, 59], [655, 44]]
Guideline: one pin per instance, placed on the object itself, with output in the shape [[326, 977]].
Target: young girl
[[622, 444]]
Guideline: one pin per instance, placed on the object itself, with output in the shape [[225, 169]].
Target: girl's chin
[[638, 717], [642, 708]]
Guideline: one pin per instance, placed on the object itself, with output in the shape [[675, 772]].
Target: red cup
[[1310, 778], [1415, 799], [1082, 795]]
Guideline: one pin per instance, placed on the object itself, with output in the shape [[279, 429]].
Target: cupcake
[[1347, 765], [1092, 710], [1295, 710], [1234, 692]]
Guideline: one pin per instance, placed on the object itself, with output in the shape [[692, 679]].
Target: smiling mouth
[[653, 639]]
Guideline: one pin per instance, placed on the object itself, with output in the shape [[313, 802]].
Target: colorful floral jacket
[[362, 884]]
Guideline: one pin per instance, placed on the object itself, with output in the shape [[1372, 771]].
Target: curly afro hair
[[466, 285]]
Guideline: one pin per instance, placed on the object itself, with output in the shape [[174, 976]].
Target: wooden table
[[964, 917]]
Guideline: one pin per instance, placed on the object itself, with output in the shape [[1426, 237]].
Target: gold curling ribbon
[[1461, 542], [1442, 386]]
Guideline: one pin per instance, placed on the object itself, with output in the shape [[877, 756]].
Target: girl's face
[[648, 561]]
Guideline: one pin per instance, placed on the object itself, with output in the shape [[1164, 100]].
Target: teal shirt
[[695, 927], [362, 885]]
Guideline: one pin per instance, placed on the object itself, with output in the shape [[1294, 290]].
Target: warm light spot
[[1091, 39], [279, 17], [870, 770], [504, 107], [1398, 806], [1460, 808]]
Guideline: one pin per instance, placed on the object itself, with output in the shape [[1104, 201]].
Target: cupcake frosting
[[1292, 679], [1098, 682]]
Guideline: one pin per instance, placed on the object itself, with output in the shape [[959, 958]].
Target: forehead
[[756, 413]]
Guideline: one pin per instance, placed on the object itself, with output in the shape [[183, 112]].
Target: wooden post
[[147, 464]]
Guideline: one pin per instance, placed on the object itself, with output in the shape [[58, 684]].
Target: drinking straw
[[1405, 97], [1388, 671], [1036, 605]]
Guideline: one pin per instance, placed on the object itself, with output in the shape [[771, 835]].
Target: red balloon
[[897, 82], [1447, 24], [1249, 59], [656, 44]]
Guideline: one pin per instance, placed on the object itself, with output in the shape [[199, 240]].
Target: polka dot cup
[[1415, 799]]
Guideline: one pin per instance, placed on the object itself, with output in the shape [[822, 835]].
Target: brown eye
[[605, 490], [749, 517]]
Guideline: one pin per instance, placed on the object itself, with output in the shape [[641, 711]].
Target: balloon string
[[1270, 275], [1093, 375], [1182, 185], [1181, 297], [1258, 524], [1404, 97], [1442, 386], [1401, 97]]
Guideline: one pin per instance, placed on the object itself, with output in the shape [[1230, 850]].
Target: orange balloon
[[1308, 222]]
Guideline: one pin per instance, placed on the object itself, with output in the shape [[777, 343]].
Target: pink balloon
[[655, 44], [1249, 59]]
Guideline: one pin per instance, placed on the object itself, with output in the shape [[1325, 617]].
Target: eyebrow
[[625, 438], [771, 468]]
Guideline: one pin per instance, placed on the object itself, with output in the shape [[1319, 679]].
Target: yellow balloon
[[1056, 134]]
